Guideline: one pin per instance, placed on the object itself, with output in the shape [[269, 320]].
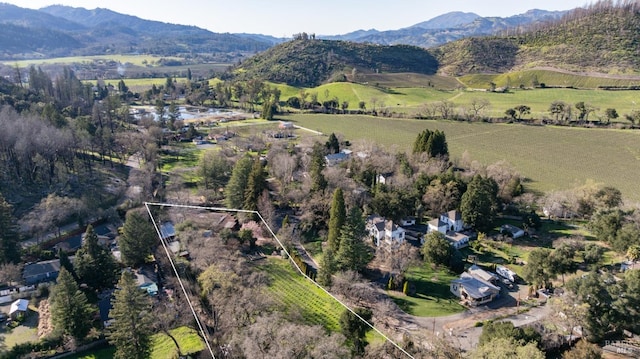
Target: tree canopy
[[137, 240], [70, 311], [131, 329], [479, 203]]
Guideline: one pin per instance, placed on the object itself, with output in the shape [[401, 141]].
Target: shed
[[20, 306]]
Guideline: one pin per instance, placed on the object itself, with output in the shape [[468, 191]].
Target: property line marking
[[147, 204]]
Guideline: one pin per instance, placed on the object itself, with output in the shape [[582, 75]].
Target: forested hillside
[[309, 62], [599, 38]]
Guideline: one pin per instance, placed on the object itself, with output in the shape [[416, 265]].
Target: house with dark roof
[[336, 158], [45, 271]]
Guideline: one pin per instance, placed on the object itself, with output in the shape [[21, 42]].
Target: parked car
[[3, 316]]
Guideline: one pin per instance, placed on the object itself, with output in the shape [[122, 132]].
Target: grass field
[[163, 346], [548, 77], [139, 60], [550, 157], [295, 293], [432, 298]]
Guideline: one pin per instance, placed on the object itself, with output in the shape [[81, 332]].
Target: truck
[[506, 273]]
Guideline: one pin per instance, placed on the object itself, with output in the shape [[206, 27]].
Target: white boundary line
[[220, 209]]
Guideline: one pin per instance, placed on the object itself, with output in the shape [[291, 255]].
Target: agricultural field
[[550, 157], [138, 60], [539, 100], [296, 293], [526, 78]]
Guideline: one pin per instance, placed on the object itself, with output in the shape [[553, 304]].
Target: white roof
[[20, 305]]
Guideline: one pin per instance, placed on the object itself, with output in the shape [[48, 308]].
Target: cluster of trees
[[433, 143], [73, 298], [346, 248], [601, 304]]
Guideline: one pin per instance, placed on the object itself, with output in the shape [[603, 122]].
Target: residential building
[[381, 229], [473, 291], [483, 275], [451, 225], [45, 271]]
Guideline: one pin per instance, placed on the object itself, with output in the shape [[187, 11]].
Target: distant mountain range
[[67, 31], [449, 27]]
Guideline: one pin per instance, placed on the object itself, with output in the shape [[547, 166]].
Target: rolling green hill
[[310, 62]]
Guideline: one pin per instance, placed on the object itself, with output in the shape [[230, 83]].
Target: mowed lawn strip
[[432, 297], [551, 157]]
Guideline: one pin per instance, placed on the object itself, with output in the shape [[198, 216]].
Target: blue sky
[[283, 18]]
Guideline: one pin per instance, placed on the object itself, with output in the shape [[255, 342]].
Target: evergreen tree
[[354, 329], [9, 238], [333, 145], [337, 217], [434, 143], [319, 183], [65, 263], [479, 203], [94, 264], [327, 267], [137, 240], [256, 183], [70, 311], [131, 329], [235, 190], [353, 253]]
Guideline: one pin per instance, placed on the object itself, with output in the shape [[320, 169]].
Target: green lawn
[[139, 60], [551, 157], [163, 347], [293, 292], [432, 298]]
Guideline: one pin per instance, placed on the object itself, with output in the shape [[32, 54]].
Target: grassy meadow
[[550, 157], [138, 60]]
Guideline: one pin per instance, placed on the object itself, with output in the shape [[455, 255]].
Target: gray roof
[[482, 274], [474, 287], [39, 268]]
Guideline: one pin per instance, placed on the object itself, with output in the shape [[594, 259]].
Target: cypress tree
[[235, 190], [353, 253], [319, 183], [337, 217], [131, 329], [256, 183]]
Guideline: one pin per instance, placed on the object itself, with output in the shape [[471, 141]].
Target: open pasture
[[550, 157], [526, 78], [138, 60], [540, 99]]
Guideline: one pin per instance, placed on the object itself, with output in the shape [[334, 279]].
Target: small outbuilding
[[20, 306]]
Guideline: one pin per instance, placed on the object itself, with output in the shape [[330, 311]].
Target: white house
[[515, 231], [385, 178], [473, 291], [457, 240], [20, 306], [450, 224], [381, 229]]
